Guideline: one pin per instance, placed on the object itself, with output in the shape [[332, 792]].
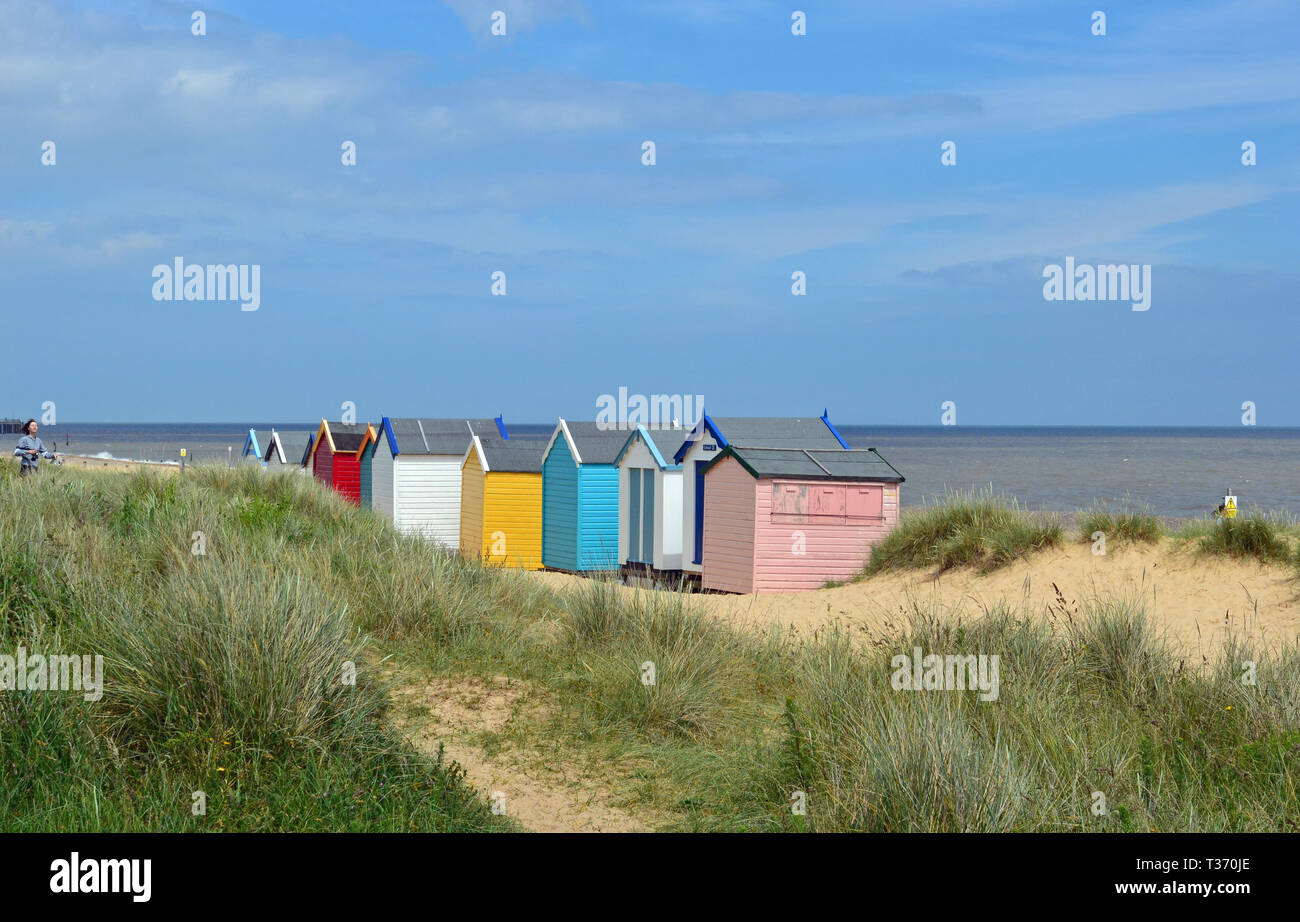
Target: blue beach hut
[[580, 497]]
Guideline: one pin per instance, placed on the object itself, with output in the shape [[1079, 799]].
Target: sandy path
[[536, 783], [1184, 591]]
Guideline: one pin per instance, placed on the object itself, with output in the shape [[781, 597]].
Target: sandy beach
[[1196, 598], [84, 462]]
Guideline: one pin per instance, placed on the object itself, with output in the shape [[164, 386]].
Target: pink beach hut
[[785, 519]]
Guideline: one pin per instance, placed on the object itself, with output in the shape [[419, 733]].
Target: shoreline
[[121, 465]]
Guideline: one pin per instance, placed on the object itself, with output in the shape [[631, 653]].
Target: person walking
[[31, 449]]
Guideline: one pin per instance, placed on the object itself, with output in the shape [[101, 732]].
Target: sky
[[775, 153]]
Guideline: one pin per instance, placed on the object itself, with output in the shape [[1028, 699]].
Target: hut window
[[789, 499], [826, 503], [865, 504]]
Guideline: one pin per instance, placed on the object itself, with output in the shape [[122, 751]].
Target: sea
[[1177, 473]]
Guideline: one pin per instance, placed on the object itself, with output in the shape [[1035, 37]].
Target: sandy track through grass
[[494, 728]]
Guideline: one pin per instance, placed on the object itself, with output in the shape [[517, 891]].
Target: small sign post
[[182, 459]]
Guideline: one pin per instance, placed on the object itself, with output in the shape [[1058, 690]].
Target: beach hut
[[367, 470], [288, 450], [416, 473], [501, 502], [580, 497], [781, 519], [253, 452], [650, 501], [336, 456], [713, 434]]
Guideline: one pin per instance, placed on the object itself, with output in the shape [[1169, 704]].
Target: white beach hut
[[416, 473], [650, 502]]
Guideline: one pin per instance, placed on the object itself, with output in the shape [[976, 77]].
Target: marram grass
[[223, 676], [979, 529]]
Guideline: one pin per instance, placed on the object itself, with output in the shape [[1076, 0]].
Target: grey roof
[[776, 432], [293, 443], [347, 442], [814, 464], [523, 456], [420, 436], [597, 443]]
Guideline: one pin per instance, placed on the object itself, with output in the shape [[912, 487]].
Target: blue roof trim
[[501, 427], [251, 440], [826, 418], [306, 455], [392, 439], [650, 444], [708, 424]]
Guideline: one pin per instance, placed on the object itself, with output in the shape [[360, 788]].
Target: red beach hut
[[336, 456]]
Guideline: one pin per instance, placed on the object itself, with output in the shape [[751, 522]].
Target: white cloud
[[130, 242], [521, 15]]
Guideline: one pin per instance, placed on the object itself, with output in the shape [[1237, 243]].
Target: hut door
[[634, 514], [699, 511], [648, 518]]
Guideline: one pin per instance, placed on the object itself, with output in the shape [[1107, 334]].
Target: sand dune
[[1195, 597]]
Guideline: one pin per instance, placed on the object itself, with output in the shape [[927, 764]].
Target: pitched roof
[[294, 445], [347, 442], [661, 440], [595, 443], [255, 442], [765, 432], [523, 456], [813, 464], [419, 436], [343, 438]]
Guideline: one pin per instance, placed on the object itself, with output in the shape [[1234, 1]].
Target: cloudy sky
[[775, 153]]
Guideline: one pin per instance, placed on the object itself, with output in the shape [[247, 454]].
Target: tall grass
[[976, 529], [1100, 708], [1255, 536], [228, 672], [1126, 525], [225, 674], [651, 663]]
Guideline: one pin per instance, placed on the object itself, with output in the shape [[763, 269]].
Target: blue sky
[[775, 153]]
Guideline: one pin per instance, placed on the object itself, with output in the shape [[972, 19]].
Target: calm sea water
[[1172, 472]]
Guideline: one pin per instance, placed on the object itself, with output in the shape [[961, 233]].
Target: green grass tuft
[[1255, 536], [1126, 526], [977, 530]]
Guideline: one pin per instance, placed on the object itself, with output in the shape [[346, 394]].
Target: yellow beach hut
[[501, 502]]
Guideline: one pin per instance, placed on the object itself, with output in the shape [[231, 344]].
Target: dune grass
[[224, 675], [978, 529], [1101, 706], [224, 670], [1126, 526], [1256, 536]]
